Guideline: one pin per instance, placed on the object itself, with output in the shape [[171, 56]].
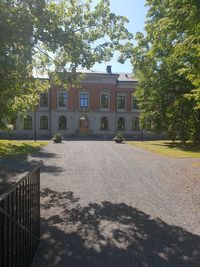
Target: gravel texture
[[107, 204]]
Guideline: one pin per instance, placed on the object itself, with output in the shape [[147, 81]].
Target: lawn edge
[[134, 143]]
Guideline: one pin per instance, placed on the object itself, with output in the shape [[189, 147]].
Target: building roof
[[126, 77], [122, 77]]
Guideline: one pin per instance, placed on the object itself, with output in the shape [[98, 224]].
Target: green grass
[[14, 148], [169, 148]]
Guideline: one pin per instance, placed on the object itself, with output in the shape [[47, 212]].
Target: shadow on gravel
[[14, 168], [108, 234]]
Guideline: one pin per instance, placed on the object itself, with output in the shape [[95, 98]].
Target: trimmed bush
[[57, 138], [119, 138]]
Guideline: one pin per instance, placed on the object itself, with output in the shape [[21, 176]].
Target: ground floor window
[[28, 122], [62, 124], [104, 123], [121, 124], [135, 123], [44, 122]]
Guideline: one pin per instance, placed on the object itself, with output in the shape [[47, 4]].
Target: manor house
[[104, 104]]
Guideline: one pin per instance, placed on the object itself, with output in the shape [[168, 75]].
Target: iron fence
[[20, 222]]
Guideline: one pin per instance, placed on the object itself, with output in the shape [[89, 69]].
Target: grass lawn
[[169, 148], [13, 147]]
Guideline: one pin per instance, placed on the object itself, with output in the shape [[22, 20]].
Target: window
[[121, 124], [134, 102], [104, 100], [135, 124], [62, 124], [121, 102], [83, 100], [43, 122], [28, 122], [62, 99], [104, 123], [44, 100]]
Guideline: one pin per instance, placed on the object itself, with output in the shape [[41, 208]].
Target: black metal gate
[[20, 221]]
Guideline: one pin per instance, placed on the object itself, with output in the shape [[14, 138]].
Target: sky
[[135, 11]]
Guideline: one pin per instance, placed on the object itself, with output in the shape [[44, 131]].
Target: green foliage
[[52, 35], [166, 61], [57, 138], [119, 138]]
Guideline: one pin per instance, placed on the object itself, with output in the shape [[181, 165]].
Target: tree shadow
[[9, 150], [13, 168], [194, 148], [109, 234]]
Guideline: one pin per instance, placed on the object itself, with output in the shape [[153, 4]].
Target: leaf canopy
[[51, 36], [166, 60]]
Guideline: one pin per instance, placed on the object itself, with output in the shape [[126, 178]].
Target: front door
[[83, 125]]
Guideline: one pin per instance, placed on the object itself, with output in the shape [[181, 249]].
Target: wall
[[94, 84]]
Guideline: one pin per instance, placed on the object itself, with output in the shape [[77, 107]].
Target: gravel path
[[107, 204]]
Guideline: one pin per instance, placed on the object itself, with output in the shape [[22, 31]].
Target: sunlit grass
[[169, 148], [13, 147]]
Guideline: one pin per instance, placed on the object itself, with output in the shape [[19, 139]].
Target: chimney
[[108, 69]]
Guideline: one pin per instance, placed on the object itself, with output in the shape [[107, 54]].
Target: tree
[[52, 35], [166, 61]]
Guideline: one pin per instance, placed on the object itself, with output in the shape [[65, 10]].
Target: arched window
[[62, 123], [104, 123], [28, 122], [135, 123], [43, 122], [121, 124]]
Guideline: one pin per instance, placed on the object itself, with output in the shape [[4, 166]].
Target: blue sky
[[135, 11]]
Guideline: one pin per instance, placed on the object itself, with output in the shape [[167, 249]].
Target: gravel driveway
[[106, 204]]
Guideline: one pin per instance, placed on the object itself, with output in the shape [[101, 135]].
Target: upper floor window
[[44, 100], [28, 122], [104, 100], [83, 100], [135, 124], [134, 102], [43, 122], [121, 124], [121, 102], [62, 123], [104, 123], [62, 99]]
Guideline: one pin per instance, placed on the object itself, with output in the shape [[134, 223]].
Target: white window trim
[[79, 102], [64, 115], [58, 107], [48, 121], [102, 93], [44, 108], [134, 119], [122, 109], [134, 109]]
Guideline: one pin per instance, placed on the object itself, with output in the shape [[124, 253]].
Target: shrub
[[57, 138], [119, 138]]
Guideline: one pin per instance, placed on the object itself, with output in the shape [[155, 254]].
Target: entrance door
[[83, 125]]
